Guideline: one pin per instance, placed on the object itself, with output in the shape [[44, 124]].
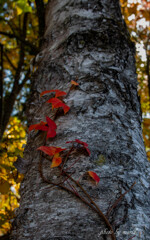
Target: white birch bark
[[87, 41]]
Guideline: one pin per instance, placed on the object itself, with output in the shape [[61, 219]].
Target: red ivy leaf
[[50, 127], [48, 150], [74, 83], [82, 143], [51, 123], [56, 161], [56, 103], [94, 176], [39, 126], [51, 150], [50, 133], [58, 93], [85, 145]]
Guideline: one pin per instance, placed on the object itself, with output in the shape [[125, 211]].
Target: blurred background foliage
[[10, 147], [21, 30], [137, 17]]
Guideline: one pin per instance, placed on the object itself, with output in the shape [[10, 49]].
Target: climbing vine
[[59, 157]]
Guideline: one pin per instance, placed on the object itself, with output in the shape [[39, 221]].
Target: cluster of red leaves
[[53, 151], [56, 102], [58, 93], [50, 127]]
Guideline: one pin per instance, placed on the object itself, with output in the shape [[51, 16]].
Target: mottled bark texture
[[88, 41]]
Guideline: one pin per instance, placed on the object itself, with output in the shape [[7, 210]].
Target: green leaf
[[101, 160], [22, 6]]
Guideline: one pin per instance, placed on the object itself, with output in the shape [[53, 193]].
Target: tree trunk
[[87, 41]]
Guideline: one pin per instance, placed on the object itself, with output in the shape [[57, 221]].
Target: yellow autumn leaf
[[17, 9]]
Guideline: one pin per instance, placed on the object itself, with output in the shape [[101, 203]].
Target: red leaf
[[65, 108], [50, 133], [58, 149], [82, 143], [74, 83], [51, 123], [39, 126], [94, 176], [50, 150], [85, 145], [58, 93], [42, 126], [51, 128], [56, 161], [56, 103]]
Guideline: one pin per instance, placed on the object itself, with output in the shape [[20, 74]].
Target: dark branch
[[22, 51], [10, 100], [41, 18], [33, 49]]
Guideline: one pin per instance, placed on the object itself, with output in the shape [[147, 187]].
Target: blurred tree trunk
[[87, 41]]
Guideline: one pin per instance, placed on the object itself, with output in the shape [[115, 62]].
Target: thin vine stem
[[91, 200], [119, 199], [66, 158], [95, 207]]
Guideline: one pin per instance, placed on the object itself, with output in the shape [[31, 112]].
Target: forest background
[[21, 36]]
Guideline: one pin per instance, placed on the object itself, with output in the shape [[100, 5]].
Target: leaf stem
[[95, 207], [98, 209], [119, 199], [66, 158]]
